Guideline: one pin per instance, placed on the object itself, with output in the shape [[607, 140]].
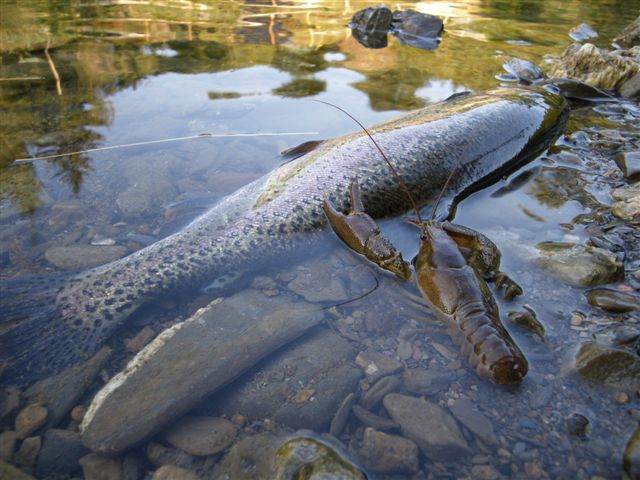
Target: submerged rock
[[428, 425], [594, 66], [609, 366], [201, 436], [388, 453], [251, 458], [171, 472], [631, 456], [13, 473], [613, 300], [189, 361], [83, 257], [30, 419], [469, 416], [60, 454], [301, 386], [578, 264]]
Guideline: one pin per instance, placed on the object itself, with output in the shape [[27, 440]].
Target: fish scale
[[483, 136]]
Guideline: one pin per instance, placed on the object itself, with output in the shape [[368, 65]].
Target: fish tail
[[35, 339]]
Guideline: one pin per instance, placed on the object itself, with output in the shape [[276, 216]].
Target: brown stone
[[169, 472], [101, 467], [388, 453], [27, 454], [143, 337], [8, 441], [30, 419], [377, 365], [202, 436]]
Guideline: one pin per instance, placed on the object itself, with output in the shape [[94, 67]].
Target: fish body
[[50, 325]]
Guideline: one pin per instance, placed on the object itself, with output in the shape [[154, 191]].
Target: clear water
[[158, 74]]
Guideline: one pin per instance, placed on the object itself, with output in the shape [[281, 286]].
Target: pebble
[[60, 453], [77, 413], [388, 453], [30, 419], [622, 397], [377, 392], [142, 338], [429, 426], [8, 442], [576, 319], [27, 454], [101, 467], [341, 417], [201, 436], [82, 257], [377, 365], [578, 425], [169, 472]]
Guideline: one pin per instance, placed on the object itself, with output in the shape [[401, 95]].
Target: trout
[[49, 323]]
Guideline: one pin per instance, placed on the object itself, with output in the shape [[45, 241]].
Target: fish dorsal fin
[[291, 154]]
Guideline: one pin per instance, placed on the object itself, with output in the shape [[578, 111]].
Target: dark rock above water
[[371, 25]]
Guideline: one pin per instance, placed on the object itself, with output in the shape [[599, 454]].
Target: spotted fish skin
[[481, 135]]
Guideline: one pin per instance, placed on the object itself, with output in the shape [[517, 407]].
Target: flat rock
[[322, 284], [578, 264], [429, 426], [82, 257], [189, 361], [376, 365], [30, 419], [468, 415], [301, 386], [613, 300], [101, 467], [201, 436], [424, 382], [597, 67], [609, 366], [582, 32], [60, 453], [388, 453], [169, 472], [60, 393]]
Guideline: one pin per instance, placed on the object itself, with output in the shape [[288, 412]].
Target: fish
[[48, 323]]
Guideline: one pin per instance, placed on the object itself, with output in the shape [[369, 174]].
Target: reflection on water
[[135, 72]]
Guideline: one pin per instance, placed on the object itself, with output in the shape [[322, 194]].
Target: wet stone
[[631, 456], [376, 365], [160, 455], [524, 70], [630, 89], [372, 420], [627, 206], [10, 472], [578, 264], [630, 35], [301, 386], [613, 300], [424, 382], [341, 417], [61, 452], [82, 257], [27, 454], [609, 366], [9, 402], [169, 472], [577, 425], [629, 163], [101, 467], [468, 415], [201, 436], [251, 458], [321, 285], [484, 472], [377, 392], [8, 442], [582, 32], [417, 29], [388, 453], [30, 419], [428, 425]]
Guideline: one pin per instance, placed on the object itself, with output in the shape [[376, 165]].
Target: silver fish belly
[[482, 135]]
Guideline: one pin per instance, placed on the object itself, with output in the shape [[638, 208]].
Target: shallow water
[[151, 78]]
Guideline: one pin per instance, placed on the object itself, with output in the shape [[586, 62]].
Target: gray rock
[[468, 415], [578, 264], [60, 454], [630, 88], [82, 257], [160, 455], [629, 163], [30, 419], [8, 442], [417, 29], [169, 472], [424, 382], [101, 467], [594, 66], [577, 425], [189, 361], [582, 32], [27, 454], [428, 425], [376, 365], [372, 19], [301, 386], [388, 453], [61, 392], [251, 458], [627, 206], [319, 285], [613, 300], [630, 35], [372, 420], [377, 392], [631, 456], [609, 366], [10, 472], [523, 69], [341, 417], [201, 436]]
